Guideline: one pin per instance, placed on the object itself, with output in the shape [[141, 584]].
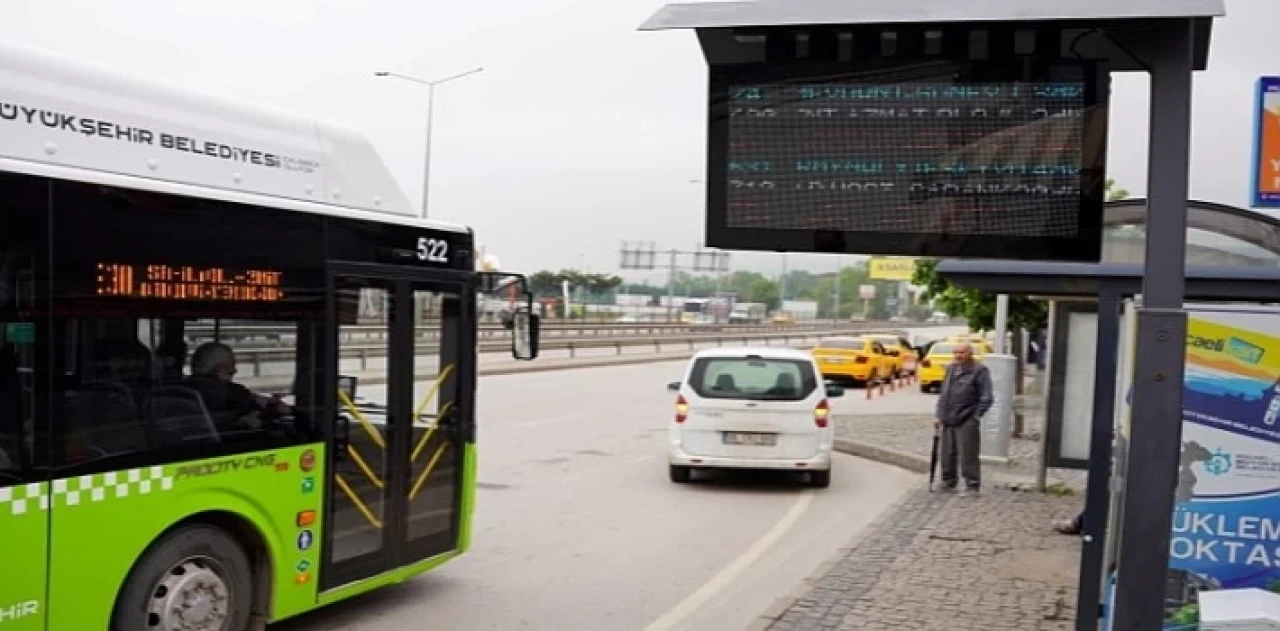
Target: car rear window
[[887, 341], [942, 349], [755, 378], [842, 345]]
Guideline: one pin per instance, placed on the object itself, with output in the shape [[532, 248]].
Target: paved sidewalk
[[940, 561]]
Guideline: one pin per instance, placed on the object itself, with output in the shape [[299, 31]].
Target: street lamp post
[[431, 110]]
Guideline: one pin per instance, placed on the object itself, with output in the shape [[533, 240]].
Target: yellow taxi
[[907, 359], [934, 366], [854, 359]]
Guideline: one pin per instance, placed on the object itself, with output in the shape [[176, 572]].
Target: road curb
[[867, 451]]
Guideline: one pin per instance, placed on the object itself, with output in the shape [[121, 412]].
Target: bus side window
[[100, 402], [11, 423], [132, 387]]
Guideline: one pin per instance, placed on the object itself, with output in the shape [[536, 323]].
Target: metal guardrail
[[242, 334], [257, 357]]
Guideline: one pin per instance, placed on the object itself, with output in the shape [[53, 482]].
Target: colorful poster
[[1226, 521], [1266, 145]]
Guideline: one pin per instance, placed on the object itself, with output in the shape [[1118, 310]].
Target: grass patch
[[1059, 489]]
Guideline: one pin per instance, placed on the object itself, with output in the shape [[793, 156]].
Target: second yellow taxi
[[855, 359], [906, 360], [934, 365]]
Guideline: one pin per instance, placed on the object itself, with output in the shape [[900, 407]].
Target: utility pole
[[782, 282], [835, 300], [431, 111], [671, 283]]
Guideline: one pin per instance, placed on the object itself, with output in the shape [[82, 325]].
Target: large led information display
[[948, 161]]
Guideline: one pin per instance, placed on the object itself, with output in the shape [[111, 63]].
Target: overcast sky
[[580, 132]]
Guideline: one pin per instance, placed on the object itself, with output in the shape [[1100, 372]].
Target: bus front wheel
[[196, 577]]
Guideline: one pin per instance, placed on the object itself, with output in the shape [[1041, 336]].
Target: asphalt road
[[577, 526]]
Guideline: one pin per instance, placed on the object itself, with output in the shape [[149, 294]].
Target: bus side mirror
[[524, 335]]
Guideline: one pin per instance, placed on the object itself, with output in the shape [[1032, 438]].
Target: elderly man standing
[[964, 398]]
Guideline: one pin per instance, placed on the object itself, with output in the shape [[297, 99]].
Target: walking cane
[[933, 459]]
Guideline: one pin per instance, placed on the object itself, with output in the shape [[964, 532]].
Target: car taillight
[[821, 413], [682, 408], [927, 364], [862, 359]]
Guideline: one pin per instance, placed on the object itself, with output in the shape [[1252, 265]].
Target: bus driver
[[232, 405]]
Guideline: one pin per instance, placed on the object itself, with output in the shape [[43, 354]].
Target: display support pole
[[1156, 428]]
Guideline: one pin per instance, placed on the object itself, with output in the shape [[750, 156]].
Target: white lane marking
[[551, 421], [726, 576]]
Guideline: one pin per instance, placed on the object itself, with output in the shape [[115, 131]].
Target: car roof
[[765, 352]]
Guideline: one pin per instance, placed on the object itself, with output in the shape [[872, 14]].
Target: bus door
[[405, 361]]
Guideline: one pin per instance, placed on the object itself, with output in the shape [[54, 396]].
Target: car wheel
[[679, 473], [820, 479], [196, 577]]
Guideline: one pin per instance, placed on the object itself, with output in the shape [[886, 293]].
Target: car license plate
[[745, 438]]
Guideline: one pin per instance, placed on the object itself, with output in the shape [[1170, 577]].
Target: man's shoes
[[946, 488], [968, 490], [1067, 527]]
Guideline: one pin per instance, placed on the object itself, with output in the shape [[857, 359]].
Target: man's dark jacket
[[965, 394]]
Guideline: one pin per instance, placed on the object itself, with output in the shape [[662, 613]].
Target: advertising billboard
[[1265, 188], [1226, 521], [885, 268]]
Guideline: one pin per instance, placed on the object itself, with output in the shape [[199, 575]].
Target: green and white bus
[[237, 374]]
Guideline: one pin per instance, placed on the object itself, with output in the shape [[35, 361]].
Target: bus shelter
[[1233, 256]]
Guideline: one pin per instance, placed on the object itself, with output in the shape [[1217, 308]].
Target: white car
[[752, 408]]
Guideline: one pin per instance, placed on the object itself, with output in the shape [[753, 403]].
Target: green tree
[[979, 307], [548, 283], [1115, 194], [544, 283], [752, 287], [694, 286]]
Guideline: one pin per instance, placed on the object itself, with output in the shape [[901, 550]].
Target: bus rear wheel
[[197, 577]]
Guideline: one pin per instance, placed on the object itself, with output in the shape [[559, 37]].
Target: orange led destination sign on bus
[[185, 282]]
